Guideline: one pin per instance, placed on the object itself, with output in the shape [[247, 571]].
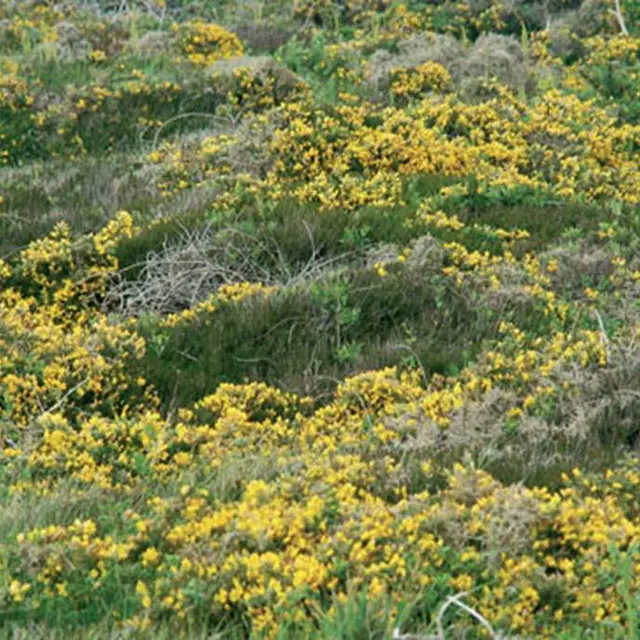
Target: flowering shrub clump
[[323, 505], [52, 351], [336, 341], [225, 294], [411, 83], [204, 43], [332, 527], [355, 155]]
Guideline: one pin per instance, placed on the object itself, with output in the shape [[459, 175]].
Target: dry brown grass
[[262, 36], [597, 415], [491, 56], [191, 268], [412, 52], [84, 194]]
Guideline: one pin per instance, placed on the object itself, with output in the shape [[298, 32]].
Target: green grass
[[308, 338]]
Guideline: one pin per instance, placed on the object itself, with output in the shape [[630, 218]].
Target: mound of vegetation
[[320, 319]]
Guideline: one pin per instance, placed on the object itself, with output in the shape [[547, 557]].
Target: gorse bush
[[319, 319], [204, 43]]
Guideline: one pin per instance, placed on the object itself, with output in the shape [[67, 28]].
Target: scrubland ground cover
[[320, 319]]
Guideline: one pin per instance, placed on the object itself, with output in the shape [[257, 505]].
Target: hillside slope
[[319, 319]]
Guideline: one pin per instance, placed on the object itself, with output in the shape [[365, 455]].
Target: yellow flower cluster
[[319, 504], [603, 50], [331, 529], [203, 43], [355, 155], [30, 28], [67, 117], [232, 293], [260, 508], [324, 509], [54, 354], [416, 81]]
